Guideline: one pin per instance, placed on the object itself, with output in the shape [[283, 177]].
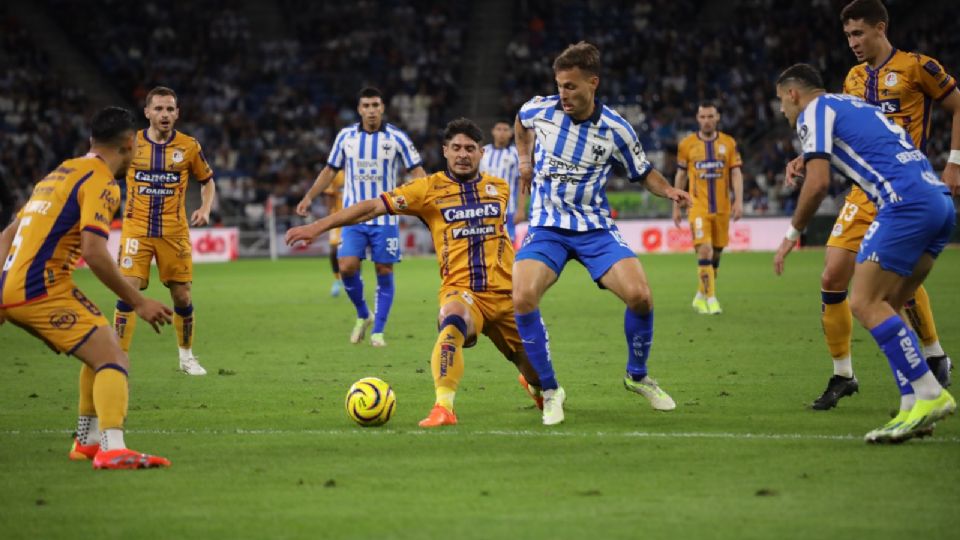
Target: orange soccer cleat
[[439, 416], [79, 452], [124, 458], [538, 399]]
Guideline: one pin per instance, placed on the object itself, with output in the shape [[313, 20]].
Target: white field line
[[494, 433]]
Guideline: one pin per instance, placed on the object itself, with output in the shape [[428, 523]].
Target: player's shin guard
[[124, 323], [920, 315], [706, 277], [446, 362], [536, 343], [110, 396], [638, 329], [354, 287], [384, 302], [837, 321], [902, 348], [183, 322]]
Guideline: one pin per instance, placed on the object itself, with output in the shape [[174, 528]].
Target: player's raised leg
[[837, 322]]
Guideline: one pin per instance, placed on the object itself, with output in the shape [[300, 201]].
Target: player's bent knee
[[639, 299]]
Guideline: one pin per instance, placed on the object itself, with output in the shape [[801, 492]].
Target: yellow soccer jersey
[[335, 190], [466, 220], [79, 195], [904, 87], [157, 185], [708, 164]]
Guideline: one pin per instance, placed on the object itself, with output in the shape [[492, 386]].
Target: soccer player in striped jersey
[[574, 141], [155, 222], [371, 152], [500, 159], [914, 221], [67, 216], [904, 86], [711, 160], [464, 210]]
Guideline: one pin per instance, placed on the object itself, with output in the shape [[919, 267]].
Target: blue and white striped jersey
[[503, 163], [572, 163], [371, 163], [866, 147]]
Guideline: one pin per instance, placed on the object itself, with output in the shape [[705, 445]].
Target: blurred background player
[[463, 210], [904, 85], [68, 216], [500, 159], [712, 161], [370, 153], [578, 140], [155, 219], [333, 198], [915, 219]]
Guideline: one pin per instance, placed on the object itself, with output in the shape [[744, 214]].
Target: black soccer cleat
[[838, 387], [941, 366]]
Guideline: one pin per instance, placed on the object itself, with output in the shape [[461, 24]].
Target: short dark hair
[[872, 12], [160, 91], [583, 55], [708, 104], [805, 75], [463, 126], [369, 92], [111, 124]]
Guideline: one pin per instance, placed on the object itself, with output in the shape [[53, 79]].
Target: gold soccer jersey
[[466, 220], [157, 185], [79, 195], [708, 164], [335, 190]]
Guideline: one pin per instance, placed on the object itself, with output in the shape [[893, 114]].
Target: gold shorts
[[174, 258], [853, 221], [709, 228], [492, 314], [64, 321]]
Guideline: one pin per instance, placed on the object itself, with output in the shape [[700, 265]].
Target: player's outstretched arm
[[358, 213], [815, 185], [93, 247], [679, 182], [201, 216], [524, 138], [659, 186], [319, 186], [951, 173]]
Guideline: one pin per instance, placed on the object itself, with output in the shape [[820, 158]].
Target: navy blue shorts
[[596, 250]]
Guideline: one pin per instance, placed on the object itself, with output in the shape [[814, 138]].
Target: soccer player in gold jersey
[[711, 161], [155, 221], [465, 212], [69, 215], [904, 85], [333, 197]]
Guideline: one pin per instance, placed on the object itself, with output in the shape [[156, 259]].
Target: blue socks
[[639, 332], [903, 351], [384, 302], [354, 287], [536, 343]]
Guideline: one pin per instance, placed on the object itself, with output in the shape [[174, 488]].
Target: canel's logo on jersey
[[709, 164], [471, 211], [889, 106], [157, 177]]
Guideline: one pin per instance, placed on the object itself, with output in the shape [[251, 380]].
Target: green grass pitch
[[262, 447]]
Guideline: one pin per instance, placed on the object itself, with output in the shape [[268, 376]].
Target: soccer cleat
[[941, 366], [336, 288], [649, 389], [191, 366], [439, 416], [553, 407], [124, 458], [700, 305], [377, 340], [924, 414], [81, 452], [713, 306], [837, 387], [884, 434], [537, 398], [360, 329]]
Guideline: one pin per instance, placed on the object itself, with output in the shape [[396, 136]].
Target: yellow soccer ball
[[371, 402]]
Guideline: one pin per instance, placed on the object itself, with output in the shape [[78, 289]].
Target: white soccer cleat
[[191, 366], [649, 389], [360, 329], [553, 406], [377, 340]]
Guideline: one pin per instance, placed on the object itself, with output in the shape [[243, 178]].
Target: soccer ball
[[371, 402]]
